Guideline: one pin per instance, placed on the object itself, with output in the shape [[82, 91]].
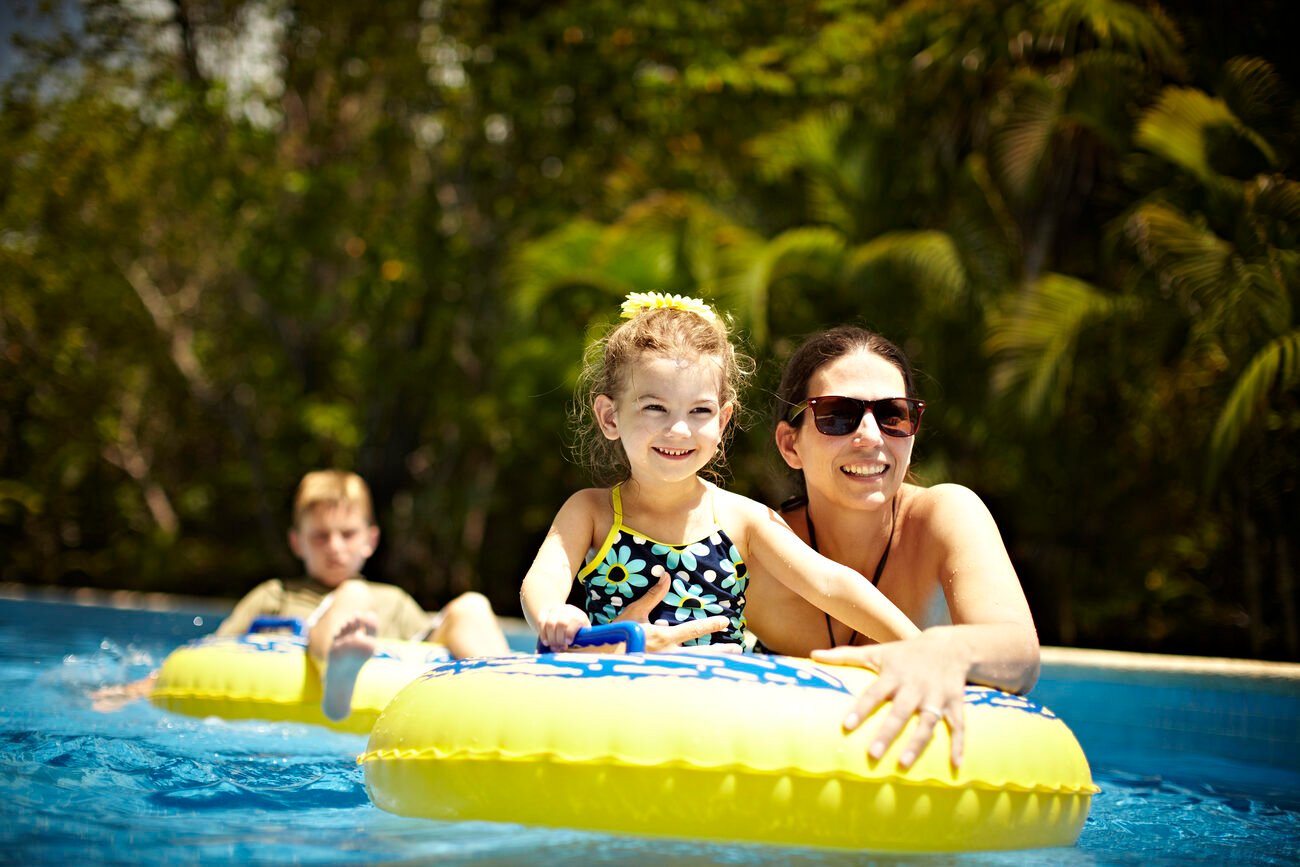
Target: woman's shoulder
[[942, 498], [948, 509]]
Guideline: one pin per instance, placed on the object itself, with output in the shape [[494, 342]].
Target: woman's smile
[[873, 470]]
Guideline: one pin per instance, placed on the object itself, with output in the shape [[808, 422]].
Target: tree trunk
[[1286, 586], [1251, 574]]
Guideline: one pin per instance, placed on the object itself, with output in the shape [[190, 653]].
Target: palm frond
[[1258, 302], [1188, 126], [929, 259], [562, 257], [1253, 90], [807, 144], [1141, 30], [1274, 368], [983, 227], [805, 255], [1277, 197], [1097, 96], [1185, 255], [834, 166], [711, 244], [1032, 339], [1021, 144]]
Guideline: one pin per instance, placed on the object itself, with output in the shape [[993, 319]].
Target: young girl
[[662, 388]]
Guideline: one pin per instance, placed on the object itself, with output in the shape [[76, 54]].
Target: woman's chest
[[911, 580]]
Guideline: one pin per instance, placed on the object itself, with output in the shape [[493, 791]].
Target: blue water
[[1201, 771]]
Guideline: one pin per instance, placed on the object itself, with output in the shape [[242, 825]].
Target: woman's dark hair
[[826, 346]]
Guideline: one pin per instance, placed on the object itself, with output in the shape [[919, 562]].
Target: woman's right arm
[[992, 641], [545, 589]]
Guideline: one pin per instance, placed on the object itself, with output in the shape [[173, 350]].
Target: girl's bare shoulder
[[591, 502]]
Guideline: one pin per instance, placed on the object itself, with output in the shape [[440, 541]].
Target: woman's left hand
[[925, 675]]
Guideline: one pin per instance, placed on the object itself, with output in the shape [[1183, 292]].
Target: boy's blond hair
[[332, 487]]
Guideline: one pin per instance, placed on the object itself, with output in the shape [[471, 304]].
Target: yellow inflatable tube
[[270, 676], [727, 748]]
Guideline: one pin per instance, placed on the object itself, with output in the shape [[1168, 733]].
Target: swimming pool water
[[1192, 770]]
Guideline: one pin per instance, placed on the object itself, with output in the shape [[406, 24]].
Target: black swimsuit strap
[[880, 566]]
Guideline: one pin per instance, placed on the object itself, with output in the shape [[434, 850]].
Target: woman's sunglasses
[[836, 416]]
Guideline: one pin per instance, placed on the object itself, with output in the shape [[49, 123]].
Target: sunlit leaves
[[925, 260], [1033, 337], [1193, 130], [1020, 146], [1274, 368], [1254, 91], [1187, 256], [805, 258], [1141, 30]]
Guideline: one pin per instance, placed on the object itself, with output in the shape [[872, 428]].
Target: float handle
[[630, 634], [266, 624]]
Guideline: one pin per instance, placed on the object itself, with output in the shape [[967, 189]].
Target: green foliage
[[240, 239], [1035, 341], [1275, 368]]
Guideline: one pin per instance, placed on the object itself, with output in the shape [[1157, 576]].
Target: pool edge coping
[[145, 600], [1124, 660], [1071, 657]]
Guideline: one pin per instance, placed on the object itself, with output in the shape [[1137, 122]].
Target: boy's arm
[[108, 699], [833, 587], [262, 598], [546, 586]]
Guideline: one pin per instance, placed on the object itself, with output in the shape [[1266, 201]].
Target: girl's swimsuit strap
[[616, 497], [617, 501]]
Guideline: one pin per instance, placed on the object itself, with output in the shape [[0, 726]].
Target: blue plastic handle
[[630, 634], [266, 624]]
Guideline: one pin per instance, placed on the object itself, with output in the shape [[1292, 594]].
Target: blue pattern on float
[[771, 670]]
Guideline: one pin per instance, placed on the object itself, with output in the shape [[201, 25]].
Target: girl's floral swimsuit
[[708, 578]]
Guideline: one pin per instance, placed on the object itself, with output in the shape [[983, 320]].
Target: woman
[[848, 420]]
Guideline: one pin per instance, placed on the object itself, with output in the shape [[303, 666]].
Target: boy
[[333, 534]]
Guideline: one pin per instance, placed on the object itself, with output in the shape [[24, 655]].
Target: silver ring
[[929, 708]]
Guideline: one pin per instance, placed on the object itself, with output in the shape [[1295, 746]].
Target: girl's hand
[[925, 675], [659, 636], [557, 626]]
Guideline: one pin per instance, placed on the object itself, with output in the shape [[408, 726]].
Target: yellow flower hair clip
[[637, 303]]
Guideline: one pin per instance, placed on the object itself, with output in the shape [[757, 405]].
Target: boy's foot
[[353, 644]]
